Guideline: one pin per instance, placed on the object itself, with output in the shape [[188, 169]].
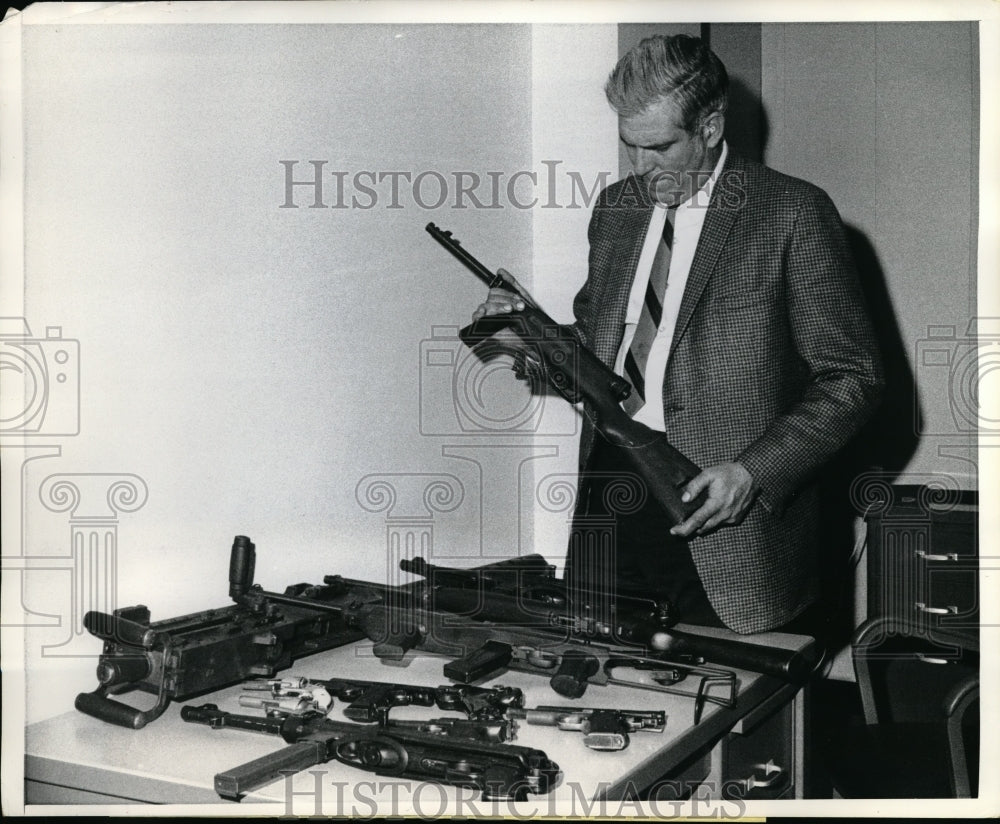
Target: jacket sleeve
[[833, 336], [582, 303]]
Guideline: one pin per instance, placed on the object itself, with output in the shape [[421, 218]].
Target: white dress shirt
[[687, 229]]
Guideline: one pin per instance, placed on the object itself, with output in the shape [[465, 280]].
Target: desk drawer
[[758, 763], [923, 564]]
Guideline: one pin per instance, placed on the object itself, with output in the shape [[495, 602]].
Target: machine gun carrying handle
[[242, 560], [118, 673], [97, 705]]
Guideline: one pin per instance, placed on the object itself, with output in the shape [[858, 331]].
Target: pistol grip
[[396, 646], [574, 670], [479, 664]]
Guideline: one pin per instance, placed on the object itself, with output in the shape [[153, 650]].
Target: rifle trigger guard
[[541, 659], [379, 754]]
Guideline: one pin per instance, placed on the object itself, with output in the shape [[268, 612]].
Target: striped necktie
[[649, 319]]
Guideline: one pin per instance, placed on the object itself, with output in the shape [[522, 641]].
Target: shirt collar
[[703, 196]]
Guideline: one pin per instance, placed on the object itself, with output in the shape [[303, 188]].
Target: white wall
[[572, 126]]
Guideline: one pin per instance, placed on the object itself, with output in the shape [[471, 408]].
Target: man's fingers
[[695, 486], [499, 302], [696, 519], [513, 282], [717, 520], [503, 300], [729, 488]]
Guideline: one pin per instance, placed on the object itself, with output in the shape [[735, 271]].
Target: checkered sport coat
[[773, 364]]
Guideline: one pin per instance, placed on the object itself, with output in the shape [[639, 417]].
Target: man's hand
[[731, 491], [500, 301]]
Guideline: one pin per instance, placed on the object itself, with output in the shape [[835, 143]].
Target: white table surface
[[174, 762]]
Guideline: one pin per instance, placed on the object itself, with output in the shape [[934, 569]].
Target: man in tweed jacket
[[771, 364]]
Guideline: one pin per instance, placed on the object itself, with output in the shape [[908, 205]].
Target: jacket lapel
[[718, 221], [630, 235]]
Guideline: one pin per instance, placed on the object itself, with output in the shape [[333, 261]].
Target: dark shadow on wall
[[891, 437], [884, 445], [746, 121]]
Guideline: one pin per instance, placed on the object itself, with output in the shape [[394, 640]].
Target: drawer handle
[[952, 610], [929, 659], [772, 774], [951, 556]]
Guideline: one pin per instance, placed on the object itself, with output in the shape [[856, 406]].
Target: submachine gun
[[540, 346], [517, 615], [394, 748], [472, 751]]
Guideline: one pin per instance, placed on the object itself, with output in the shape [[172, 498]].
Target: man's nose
[[643, 161]]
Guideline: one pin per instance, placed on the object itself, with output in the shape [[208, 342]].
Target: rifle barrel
[[446, 239]]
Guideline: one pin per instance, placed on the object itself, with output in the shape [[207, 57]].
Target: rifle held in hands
[[539, 345]]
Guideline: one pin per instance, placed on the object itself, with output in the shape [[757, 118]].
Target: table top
[[171, 761]]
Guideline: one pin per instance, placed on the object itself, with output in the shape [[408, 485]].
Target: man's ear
[[712, 128]]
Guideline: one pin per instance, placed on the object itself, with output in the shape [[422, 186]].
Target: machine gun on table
[[475, 750], [371, 701], [259, 634]]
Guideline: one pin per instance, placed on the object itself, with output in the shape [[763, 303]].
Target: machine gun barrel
[[492, 279]]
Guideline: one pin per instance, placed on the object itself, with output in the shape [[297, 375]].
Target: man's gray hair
[[680, 67]]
